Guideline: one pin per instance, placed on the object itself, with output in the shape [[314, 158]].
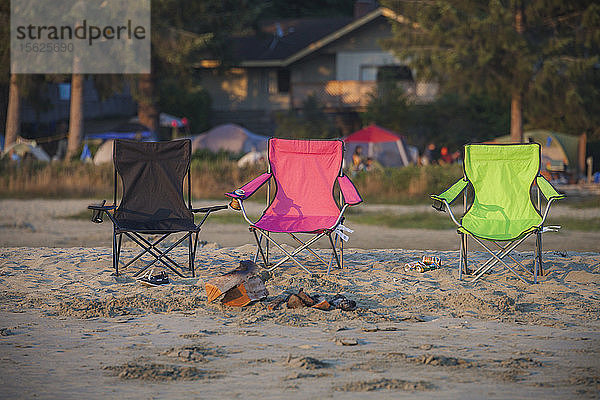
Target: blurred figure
[[372, 165], [357, 160], [457, 157], [445, 156], [430, 155]]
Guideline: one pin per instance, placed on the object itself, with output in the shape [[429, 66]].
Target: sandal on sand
[[294, 301], [154, 280], [322, 304], [341, 302], [306, 299]]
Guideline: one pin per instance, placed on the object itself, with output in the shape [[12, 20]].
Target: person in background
[[430, 155], [357, 160], [372, 165], [445, 156], [457, 157]]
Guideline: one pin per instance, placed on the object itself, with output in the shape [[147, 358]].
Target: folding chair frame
[[330, 232], [264, 253], [150, 247], [504, 249]]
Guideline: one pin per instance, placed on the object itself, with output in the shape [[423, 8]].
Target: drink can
[[413, 266], [430, 260]]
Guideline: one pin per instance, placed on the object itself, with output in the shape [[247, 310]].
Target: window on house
[[368, 72], [283, 80]]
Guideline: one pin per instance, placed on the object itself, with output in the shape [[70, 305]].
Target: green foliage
[[307, 8], [388, 109], [190, 101], [472, 47], [308, 122], [450, 120]]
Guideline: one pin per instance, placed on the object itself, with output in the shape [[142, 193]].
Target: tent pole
[[402, 153]]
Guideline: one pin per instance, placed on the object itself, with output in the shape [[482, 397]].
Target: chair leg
[[193, 252], [267, 254], [538, 261], [259, 246], [114, 255], [341, 254], [332, 255], [119, 242], [257, 252], [337, 259], [461, 256], [465, 254]]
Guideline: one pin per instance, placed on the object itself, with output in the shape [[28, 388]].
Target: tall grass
[[211, 178], [406, 185]]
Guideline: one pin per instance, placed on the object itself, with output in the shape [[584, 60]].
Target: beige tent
[[104, 153]]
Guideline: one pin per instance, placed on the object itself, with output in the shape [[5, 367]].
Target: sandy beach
[[68, 328]]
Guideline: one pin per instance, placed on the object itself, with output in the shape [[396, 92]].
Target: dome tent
[[230, 137], [559, 150]]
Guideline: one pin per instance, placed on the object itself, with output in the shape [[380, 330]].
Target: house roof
[[284, 42], [293, 36]]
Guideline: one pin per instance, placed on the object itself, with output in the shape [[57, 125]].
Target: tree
[[510, 49], [13, 114], [75, 116], [180, 31], [308, 122]]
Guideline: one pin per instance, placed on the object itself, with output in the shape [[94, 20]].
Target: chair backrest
[[152, 174], [305, 172], [502, 176]]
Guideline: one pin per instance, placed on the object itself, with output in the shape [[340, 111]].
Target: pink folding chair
[[304, 173]]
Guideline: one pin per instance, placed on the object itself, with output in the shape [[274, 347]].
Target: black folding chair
[[152, 202]]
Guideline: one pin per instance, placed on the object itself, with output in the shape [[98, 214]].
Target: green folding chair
[[502, 211]]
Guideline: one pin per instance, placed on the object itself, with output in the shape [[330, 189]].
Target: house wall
[[341, 75], [362, 65], [244, 89], [318, 68], [359, 54]]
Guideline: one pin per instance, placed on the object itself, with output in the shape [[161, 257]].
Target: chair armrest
[[98, 209], [449, 195], [208, 209], [249, 188], [349, 191], [547, 189], [101, 207]]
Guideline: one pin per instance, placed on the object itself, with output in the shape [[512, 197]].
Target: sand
[[68, 328]]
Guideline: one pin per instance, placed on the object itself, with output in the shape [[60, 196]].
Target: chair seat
[[498, 229], [160, 226], [296, 224]]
